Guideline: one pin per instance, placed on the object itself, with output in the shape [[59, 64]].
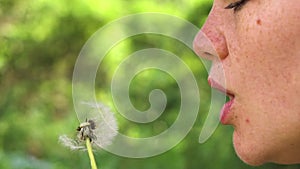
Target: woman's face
[[258, 47]]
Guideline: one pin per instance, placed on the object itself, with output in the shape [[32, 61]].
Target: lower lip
[[224, 115]]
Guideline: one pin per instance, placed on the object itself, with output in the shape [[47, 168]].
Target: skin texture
[[258, 48]]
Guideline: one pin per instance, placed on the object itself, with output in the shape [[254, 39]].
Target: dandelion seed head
[[105, 124], [100, 127]]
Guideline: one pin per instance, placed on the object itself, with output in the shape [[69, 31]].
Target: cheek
[[261, 46], [263, 70]]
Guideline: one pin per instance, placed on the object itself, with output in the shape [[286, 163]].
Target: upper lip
[[219, 87]]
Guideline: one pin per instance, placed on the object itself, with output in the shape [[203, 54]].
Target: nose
[[210, 42]]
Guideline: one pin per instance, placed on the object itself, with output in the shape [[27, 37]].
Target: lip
[[225, 111]]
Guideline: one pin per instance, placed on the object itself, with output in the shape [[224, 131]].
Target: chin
[[248, 152]]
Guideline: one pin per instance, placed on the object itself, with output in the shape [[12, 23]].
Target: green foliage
[[40, 41]]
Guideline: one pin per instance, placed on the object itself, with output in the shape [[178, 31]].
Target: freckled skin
[[258, 22], [247, 121], [259, 48]]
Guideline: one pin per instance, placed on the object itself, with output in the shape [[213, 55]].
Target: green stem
[[91, 155]]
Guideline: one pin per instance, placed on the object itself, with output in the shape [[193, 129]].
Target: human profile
[[258, 45]]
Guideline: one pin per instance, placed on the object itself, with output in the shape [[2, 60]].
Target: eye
[[236, 5]]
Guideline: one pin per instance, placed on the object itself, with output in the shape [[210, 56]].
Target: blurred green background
[[39, 43]]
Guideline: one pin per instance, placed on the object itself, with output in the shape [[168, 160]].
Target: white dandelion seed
[[70, 143], [100, 127]]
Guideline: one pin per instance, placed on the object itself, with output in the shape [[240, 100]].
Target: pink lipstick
[[224, 114], [225, 111]]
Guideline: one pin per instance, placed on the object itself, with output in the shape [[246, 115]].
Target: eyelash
[[236, 5]]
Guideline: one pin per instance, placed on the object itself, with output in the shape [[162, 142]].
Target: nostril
[[204, 47], [207, 54]]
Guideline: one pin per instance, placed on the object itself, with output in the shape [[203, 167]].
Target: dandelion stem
[[91, 155]]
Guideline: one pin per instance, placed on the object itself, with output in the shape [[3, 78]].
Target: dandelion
[[98, 131]]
